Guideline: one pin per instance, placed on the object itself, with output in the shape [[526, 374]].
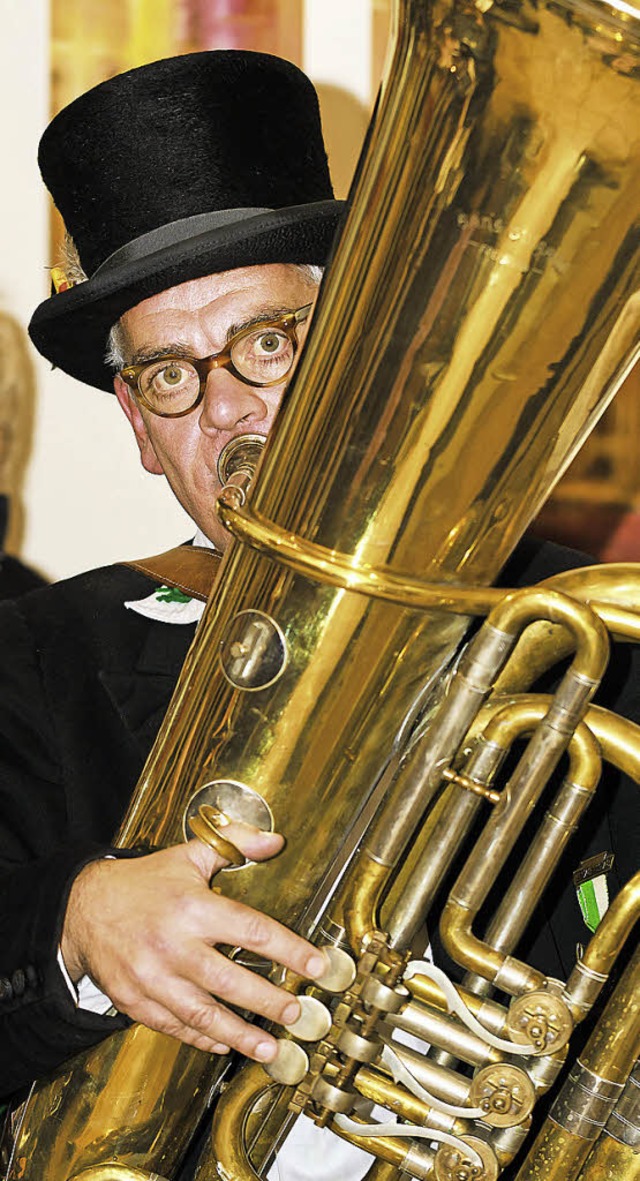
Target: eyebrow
[[181, 350], [171, 349], [265, 314]]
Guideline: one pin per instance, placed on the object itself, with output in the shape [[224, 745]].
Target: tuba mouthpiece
[[238, 460]]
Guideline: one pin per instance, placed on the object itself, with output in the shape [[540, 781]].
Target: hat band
[[172, 233]]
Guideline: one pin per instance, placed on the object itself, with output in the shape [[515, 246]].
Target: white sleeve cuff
[[86, 994]]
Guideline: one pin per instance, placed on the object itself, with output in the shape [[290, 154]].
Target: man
[[207, 247], [197, 194]]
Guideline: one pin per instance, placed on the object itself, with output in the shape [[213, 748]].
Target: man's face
[[199, 317]]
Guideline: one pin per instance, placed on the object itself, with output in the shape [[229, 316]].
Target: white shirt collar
[[203, 541]]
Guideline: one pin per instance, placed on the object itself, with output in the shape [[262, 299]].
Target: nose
[[228, 402]]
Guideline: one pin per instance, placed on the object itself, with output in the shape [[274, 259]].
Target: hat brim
[[71, 329]]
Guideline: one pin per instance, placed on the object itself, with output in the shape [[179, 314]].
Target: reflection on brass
[[479, 314], [611, 1159], [339, 570], [115, 1172]]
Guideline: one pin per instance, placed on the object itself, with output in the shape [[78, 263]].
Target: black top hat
[[178, 169]]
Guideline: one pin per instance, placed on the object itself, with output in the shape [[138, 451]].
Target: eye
[[168, 378], [263, 356], [270, 342], [172, 375]]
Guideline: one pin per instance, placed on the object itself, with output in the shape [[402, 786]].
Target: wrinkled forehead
[[207, 310]]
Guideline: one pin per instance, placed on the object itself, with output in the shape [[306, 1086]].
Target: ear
[[148, 457]]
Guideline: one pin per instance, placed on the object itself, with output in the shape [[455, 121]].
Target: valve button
[[340, 972], [290, 1064], [314, 1021]]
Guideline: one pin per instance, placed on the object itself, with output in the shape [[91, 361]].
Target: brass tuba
[[479, 314]]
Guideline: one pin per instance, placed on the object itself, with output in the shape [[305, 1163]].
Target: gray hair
[[116, 353]]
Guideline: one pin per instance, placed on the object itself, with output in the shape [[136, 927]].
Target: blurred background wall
[[85, 500]]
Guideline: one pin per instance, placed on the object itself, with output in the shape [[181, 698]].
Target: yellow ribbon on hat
[[60, 280]]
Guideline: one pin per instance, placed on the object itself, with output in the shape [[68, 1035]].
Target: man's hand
[[145, 930]]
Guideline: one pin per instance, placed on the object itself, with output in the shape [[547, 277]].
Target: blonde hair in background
[[17, 401]]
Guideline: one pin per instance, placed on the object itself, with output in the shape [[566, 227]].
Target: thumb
[[253, 843]]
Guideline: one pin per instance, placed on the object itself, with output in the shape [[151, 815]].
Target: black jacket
[[84, 685]]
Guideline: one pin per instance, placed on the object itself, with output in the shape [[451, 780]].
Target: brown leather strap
[[190, 568]]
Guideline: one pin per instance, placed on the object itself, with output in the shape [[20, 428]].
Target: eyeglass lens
[[262, 357]]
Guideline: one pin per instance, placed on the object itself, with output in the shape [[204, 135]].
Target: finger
[[203, 1022], [156, 1016], [253, 843], [257, 844], [201, 970], [233, 923], [218, 976]]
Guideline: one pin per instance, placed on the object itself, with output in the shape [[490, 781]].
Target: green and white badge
[[590, 881], [168, 604]]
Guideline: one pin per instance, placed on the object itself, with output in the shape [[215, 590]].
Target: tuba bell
[[480, 312]]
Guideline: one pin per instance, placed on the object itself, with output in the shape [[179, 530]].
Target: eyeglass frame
[[203, 366]]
